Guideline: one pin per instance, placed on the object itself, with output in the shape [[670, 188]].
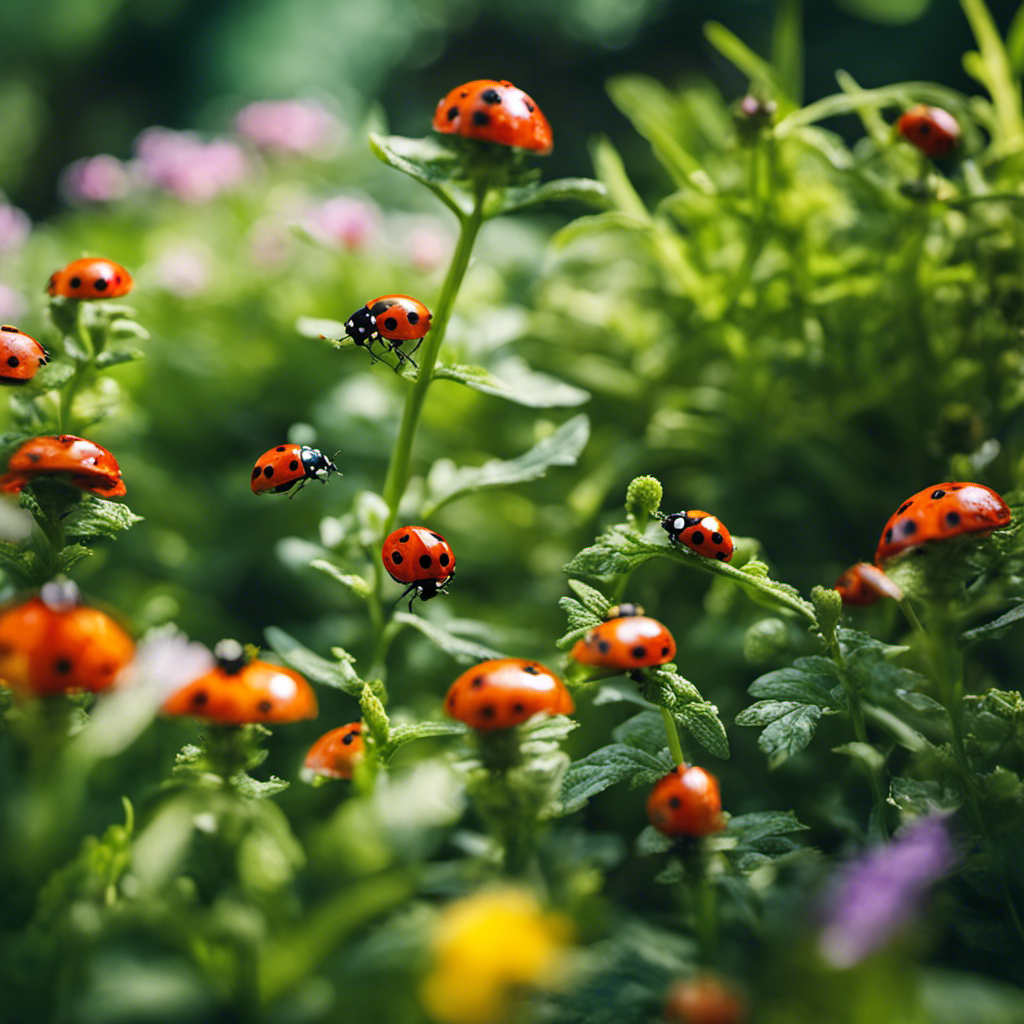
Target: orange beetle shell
[[505, 692], [257, 692], [704, 999], [626, 642], [90, 278], [336, 752], [932, 130], [939, 512], [21, 356], [45, 651], [686, 802], [494, 111], [864, 584], [85, 464], [399, 317]]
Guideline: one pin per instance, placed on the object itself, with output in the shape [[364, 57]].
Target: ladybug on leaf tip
[[700, 532], [90, 279], [686, 803], [279, 469], [421, 558], [392, 320], [626, 642], [491, 110], [505, 692]]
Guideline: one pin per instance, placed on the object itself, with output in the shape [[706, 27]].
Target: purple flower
[[95, 179], [188, 168], [290, 126], [875, 895], [15, 227]]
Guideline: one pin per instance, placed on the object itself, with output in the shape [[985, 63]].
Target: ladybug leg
[[302, 484], [412, 588], [403, 357]]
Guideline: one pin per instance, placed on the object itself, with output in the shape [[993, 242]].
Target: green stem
[[700, 893], [82, 369], [674, 746]]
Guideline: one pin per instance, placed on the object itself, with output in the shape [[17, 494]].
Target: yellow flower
[[486, 948]]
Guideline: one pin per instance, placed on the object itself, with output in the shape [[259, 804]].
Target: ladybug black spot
[[391, 323], [529, 106], [720, 556], [451, 700], [268, 471], [348, 738], [924, 128], [888, 535], [490, 96], [62, 665], [639, 652], [953, 518], [903, 508], [264, 706], [938, 493], [34, 456], [453, 112], [674, 801], [293, 465], [256, 472], [9, 329], [396, 558], [717, 538], [664, 651], [908, 527], [531, 670], [426, 561], [13, 360], [437, 536], [603, 646], [697, 538], [404, 539], [443, 558], [75, 282], [476, 682], [413, 317], [487, 711], [280, 448], [480, 118], [200, 697], [519, 707], [100, 284]]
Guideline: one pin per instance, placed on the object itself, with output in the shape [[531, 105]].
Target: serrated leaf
[[750, 829], [763, 712], [917, 798], [124, 327], [94, 517], [581, 621], [429, 161], [466, 652], [517, 383], [71, 555], [116, 356], [339, 674], [621, 550], [24, 562], [518, 197], [254, 788], [995, 629], [560, 448], [401, 734], [607, 766], [645, 731], [701, 721], [593, 600], [52, 376], [354, 582], [808, 680], [789, 734]]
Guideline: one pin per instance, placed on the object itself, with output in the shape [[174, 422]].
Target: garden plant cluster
[[496, 706]]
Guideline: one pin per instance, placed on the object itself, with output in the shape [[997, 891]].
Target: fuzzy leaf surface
[[339, 674], [515, 382]]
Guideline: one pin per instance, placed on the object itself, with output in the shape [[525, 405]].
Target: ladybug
[[932, 130], [701, 532], [239, 691], [90, 278], [336, 752], [79, 462], [53, 644], [704, 999], [505, 692], [393, 320], [939, 512], [626, 642], [21, 356], [421, 558], [864, 584], [686, 802], [494, 111], [281, 468]]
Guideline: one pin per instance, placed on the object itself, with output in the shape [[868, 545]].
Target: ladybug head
[[231, 657], [361, 326]]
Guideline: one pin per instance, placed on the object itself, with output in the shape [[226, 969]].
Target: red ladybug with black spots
[[91, 278], [686, 802], [701, 532], [421, 558], [932, 130], [495, 111], [21, 356], [392, 320], [506, 692], [281, 468], [626, 642]]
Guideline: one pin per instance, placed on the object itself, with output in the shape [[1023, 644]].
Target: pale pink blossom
[[426, 243], [95, 179], [15, 227], [290, 126], [183, 269], [188, 167], [345, 221], [13, 305]]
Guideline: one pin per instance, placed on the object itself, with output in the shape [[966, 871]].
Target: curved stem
[[674, 746]]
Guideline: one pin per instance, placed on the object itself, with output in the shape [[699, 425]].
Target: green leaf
[[581, 621], [917, 798], [591, 598], [664, 686], [789, 734], [71, 555], [886, 12], [808, 681], [466, 652], [339, 674], [317, 327], [788, 46], [116, 356], [429, 161], [516, 383], [95, 517], [518, 197], [606, 767], [445, 482], [250, 787], [1015, 42], [402, 734], [354, 582], [52, 376], [756, 68], [995, 629], [763, 712], [621, 550], [701, 721], [630, 210], [21, 562], [125, 327], [997, 73]]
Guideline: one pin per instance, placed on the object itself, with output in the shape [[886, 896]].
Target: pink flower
[[183, 269], [12, 304], [344, 221], [190, 169], [426, 243], [95, 179], [290, 126], [15, 227]]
